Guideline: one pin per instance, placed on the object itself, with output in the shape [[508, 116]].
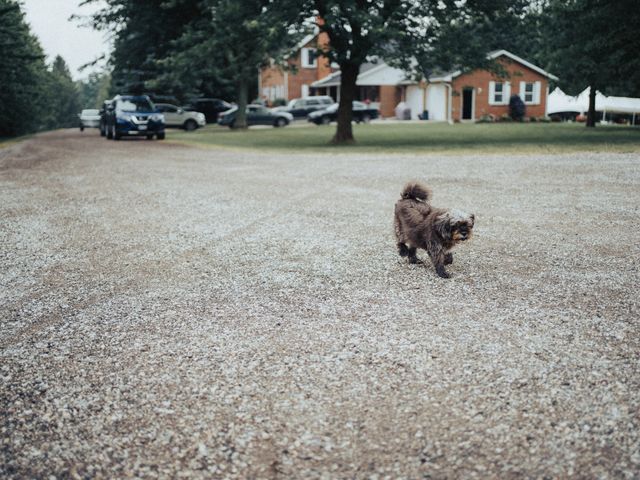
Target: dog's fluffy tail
[[416, 191]]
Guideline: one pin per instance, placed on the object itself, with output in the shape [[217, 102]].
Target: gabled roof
[[498, 53], [382, 74]]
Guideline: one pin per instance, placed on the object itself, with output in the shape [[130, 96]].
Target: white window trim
[[535, 94], [304, 58], [506, 93]]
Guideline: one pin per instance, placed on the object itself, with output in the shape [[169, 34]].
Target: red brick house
[[305, 68], [456, 96], [478, 93]]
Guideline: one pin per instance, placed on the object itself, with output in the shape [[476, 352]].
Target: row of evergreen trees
[[36, 96]]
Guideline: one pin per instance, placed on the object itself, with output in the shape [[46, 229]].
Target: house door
[[467, 103]]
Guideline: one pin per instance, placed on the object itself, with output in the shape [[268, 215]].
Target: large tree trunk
[[348, 76], [241, 114], [591, 114]]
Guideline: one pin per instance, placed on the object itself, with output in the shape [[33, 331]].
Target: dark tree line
[[35, 96]]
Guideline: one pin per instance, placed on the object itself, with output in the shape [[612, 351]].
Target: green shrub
[[517, 108]]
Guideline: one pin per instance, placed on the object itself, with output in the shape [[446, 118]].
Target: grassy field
[[426, 137]]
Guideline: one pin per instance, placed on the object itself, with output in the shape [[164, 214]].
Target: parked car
[[256, 115], [89, 118], [211, 107], [134, 115], [181, 118], [302, 107], [106, 106], [361, 112]]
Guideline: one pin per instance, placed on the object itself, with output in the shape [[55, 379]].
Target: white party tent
[[621, 105], [561, 102]]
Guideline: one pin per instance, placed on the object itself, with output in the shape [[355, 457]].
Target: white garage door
[[437, 102], [415, 101]]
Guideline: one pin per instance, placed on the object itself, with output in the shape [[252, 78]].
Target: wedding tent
[[560, 102]]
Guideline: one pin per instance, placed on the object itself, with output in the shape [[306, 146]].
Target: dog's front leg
[[438, 259], [448, 258], [412, 255]]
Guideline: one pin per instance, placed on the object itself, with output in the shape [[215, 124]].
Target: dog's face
[[456, 225]]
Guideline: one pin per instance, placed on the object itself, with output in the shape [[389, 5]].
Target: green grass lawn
[[425, 137]]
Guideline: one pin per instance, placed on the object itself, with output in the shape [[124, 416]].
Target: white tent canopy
[[561, 102], [622, 105]]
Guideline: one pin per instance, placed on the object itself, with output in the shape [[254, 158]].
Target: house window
[[530, 92], [499, 93], [309, 58]]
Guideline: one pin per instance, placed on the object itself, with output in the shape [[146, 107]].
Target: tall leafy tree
[[191, 65], [594, 43], [143, 31]]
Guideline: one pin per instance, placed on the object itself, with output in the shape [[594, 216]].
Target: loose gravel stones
[[173, 312]]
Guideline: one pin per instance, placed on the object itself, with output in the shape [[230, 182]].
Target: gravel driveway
[[168, 311]]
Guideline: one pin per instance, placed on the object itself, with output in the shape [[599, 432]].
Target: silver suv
[[181, 118]]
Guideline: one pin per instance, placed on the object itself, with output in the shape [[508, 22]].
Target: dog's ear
[[472, 217], [443, 226]]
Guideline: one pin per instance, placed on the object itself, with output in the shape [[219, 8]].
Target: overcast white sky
[[49, 20]]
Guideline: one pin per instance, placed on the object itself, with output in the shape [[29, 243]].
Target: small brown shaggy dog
[[436, 230]]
